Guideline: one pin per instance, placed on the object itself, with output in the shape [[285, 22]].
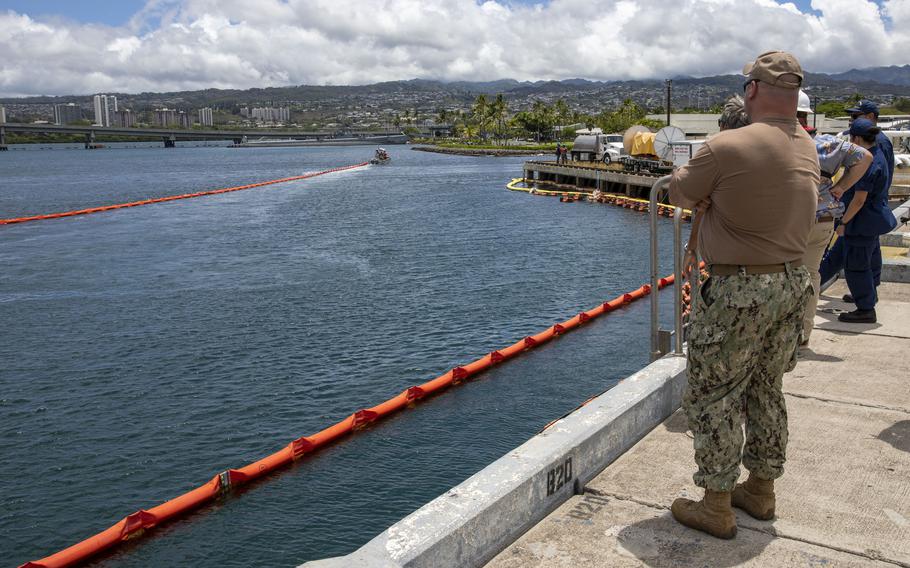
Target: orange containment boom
[[173, 197], [136, 524]]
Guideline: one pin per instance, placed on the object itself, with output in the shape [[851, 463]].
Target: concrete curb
[[902, 210], [471, 523], [897, 270]]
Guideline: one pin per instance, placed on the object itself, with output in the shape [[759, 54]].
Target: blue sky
[[87, 11]]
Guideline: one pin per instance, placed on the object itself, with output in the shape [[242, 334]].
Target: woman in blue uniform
[[866, 218]]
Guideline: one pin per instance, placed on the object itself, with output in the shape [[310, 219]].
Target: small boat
[[381, 157]]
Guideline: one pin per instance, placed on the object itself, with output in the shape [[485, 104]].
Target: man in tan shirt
[[761, 181]]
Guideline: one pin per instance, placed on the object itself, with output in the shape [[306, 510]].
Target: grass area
[[467, 145]]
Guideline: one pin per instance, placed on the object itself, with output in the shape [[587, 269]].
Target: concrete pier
[[845, 497], [590, 176], [612, 179]]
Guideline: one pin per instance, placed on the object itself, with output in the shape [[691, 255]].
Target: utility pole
[[669, 90], [814, 110]]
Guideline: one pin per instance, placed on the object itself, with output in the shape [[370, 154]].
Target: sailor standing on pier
[[761, 180]]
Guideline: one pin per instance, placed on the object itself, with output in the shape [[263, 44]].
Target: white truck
[[597, 147]]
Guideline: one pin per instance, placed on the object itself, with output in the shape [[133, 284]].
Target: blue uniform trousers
[[836, 260], [859, 253]]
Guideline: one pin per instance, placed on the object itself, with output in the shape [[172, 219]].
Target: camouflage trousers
[[744, 338]]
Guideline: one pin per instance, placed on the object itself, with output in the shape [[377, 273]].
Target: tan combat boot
[[712, 514], [756, 497]]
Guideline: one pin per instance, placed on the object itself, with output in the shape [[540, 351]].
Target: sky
[[82, 47]]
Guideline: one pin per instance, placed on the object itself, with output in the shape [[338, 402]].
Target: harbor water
[[144, 350]]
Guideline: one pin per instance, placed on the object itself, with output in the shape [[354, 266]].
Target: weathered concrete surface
[[472, 522], [895, 265], [895, 254], [625, 534], [844, 500], [821, 372]]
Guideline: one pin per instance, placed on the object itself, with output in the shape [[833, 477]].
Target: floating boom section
[[174, 197], [138, 523]]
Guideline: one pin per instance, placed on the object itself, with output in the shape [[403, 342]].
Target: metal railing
[[661, 339]]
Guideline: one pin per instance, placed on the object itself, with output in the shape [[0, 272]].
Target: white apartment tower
[[271, 114], [102, 105], [205, 117], [2, 114]]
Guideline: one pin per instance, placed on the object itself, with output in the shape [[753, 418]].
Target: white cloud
[[191, 44]]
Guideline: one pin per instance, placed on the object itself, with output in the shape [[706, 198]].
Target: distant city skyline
[[89, 47]]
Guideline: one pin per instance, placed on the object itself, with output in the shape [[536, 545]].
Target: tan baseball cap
[[777, 68]]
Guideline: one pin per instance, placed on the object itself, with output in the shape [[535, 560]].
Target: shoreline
[[498, 153]]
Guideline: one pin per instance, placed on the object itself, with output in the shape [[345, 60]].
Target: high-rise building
[[164, 117], [2, 114], [205, 117], [183, 119], [99, 112], [67, 113], [113, 103], [102, 107], [123, 118], [271, 114]]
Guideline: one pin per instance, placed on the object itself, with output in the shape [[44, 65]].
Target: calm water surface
[[144, 350]]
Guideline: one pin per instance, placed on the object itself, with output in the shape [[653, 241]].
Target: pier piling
[[587, 176]]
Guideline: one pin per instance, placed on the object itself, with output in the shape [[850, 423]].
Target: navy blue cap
[[864, 107], [861, 127]]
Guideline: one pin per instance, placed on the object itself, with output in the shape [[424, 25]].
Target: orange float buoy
[[141, 522], [91, 210]]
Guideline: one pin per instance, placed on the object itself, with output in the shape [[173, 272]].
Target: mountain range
[[889, 81]]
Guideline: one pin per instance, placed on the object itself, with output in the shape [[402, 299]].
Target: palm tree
[[460, 117], [499, 110], [563, 114], [480, 109], [543, 118]]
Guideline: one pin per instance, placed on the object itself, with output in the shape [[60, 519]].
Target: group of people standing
[[862, 215], [768, 198], [562, 153]]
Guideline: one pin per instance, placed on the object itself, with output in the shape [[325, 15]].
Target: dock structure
[[588, 176], [843, 501]]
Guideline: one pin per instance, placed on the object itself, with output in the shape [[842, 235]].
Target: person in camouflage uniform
[[742, 342], [760, 183]]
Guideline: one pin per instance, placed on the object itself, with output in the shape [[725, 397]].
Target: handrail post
[[652, 212], [678, 280]]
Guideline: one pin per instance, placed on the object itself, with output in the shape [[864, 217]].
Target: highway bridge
[[171, 136]]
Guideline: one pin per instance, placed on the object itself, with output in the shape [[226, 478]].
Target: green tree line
[[491, 119], [900, 105]]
